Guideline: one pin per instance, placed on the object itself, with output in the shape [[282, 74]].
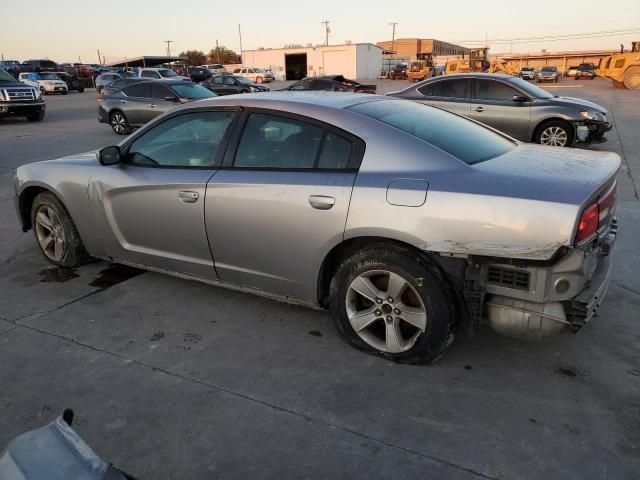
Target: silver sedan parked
[[405, 221], [515, 107]]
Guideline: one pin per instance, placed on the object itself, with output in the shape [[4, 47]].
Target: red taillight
[[589, 221]]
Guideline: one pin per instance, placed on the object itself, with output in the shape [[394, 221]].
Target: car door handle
[[321, 202], [123, 101], [188, 197], [151, 105], [479, 109]]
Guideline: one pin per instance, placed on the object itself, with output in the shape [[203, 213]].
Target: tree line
[[221, 54]]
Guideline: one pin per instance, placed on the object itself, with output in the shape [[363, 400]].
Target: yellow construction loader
[[478, 61], [622, 68], [421, 68], [501, 66]]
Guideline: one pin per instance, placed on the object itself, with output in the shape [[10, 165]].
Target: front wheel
[[390, 301], [55, 232], [258, 79], [555, 133], [81, 89], [119, 123], [632, 78], [37, 117]]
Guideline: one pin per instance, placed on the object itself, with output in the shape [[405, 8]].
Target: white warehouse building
[[353, 60]]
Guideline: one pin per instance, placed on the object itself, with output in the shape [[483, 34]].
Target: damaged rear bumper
[[562, 297]]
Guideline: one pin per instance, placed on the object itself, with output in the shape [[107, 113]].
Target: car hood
[[551, 174], [85, 159], [577, 102]]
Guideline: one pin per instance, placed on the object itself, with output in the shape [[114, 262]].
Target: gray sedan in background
[[140, 102], [405, 221], [515, 107]]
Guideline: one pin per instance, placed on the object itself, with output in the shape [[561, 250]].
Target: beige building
[[353, 60], [562, 60], [412, 48]]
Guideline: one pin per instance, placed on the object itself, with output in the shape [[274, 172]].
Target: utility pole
[[217, 51], [393, 36], [327, 30], [168, 42], [99, 57], [240, 35]]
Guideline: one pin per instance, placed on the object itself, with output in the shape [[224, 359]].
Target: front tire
[[119, 123], [55, 232], [258, 79], [555, 133], [632, 78], [390, 301], [38, 117]]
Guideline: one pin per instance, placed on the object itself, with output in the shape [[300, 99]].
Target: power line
[[571, 36]]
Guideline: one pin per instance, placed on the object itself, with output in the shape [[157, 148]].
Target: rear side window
[[458, 88], [491, 90], [149, 74], [457, 136], [275, 142], [136, 90]]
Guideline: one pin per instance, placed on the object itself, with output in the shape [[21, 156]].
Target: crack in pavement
[[625, 288], [11, 329], [249, 398], [624, 157], [42, 313]]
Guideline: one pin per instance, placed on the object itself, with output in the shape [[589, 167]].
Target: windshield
[[167, 73], [527, 69], [457, 136], [5, 76], [192, 91], [48, 76], [548, 69], [532, 90]]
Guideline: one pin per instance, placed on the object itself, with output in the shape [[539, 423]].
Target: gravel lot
[[176, 379]]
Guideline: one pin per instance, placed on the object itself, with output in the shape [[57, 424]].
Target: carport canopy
[[145, 61]]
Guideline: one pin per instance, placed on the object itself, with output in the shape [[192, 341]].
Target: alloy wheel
[[50, 233], [118, 123], [554, 136], [385, 311]]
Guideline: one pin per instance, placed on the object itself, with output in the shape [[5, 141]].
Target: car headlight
[[597, 116], [37, 93]]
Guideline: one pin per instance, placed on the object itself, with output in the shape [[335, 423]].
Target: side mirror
[[520, 98], [171, 99], [110, 155]]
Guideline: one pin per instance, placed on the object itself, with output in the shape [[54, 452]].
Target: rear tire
[[258, 79], [119, 123], [408, 317], [81, 89], [632, 78], [56, 234], [555, 133], [618, 84]]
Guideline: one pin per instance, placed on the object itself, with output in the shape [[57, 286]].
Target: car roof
[[337, 100], [474, 75]]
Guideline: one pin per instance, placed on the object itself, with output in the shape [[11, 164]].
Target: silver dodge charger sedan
[[405, 221]]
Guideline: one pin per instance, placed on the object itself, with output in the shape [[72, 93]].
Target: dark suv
[[39, 65], [19, 100], [586, 70], [11, 66]]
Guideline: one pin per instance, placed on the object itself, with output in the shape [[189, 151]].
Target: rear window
[[459, 137]]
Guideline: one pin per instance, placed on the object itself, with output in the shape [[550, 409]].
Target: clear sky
[[64, 30]]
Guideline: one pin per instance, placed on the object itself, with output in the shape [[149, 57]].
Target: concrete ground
[[176, 379]]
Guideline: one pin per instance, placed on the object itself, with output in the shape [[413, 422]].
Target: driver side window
[[189, 140]]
